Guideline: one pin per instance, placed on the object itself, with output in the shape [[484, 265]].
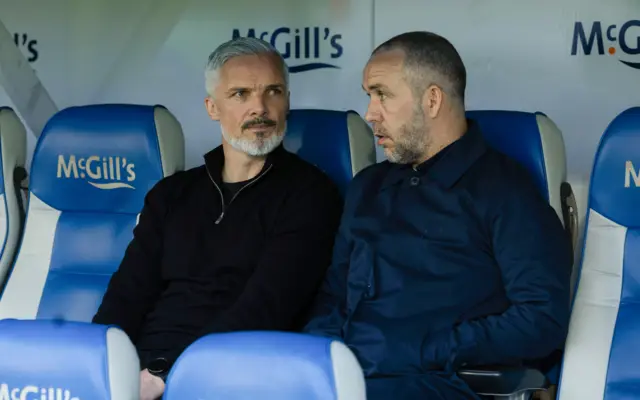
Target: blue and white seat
[[13, 153], [50, 360], [276, 365], [339, 143], [266, 365], [91, 170], [602, 349], [535, 141]]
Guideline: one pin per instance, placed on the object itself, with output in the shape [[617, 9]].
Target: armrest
[[503, 381]]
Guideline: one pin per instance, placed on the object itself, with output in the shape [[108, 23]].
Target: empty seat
[[602, 348], [91, 170], [48, 360], [266, 365], [13, 153], [339, 143]]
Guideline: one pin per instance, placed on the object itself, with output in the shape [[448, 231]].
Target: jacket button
[[414, 181]]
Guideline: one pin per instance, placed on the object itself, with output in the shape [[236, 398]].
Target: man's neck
[[239, 166], [444, 135]]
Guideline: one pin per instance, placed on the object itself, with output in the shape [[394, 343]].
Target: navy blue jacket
[[458, 262]]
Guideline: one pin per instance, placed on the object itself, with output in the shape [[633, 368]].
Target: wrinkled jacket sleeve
[[329, 310], [533, 253], [136, 285], [294, 260]]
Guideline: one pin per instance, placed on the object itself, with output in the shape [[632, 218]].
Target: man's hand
[[151, 387]]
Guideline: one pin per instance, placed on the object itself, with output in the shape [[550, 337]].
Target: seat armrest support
[[513, 383]]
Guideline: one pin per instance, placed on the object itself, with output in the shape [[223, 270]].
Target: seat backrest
[[534, 141], [339, 143], [602, 348], [13, 153], [68, 361], [266, 365], [90, 172]]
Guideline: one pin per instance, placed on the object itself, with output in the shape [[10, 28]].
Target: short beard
[[258, 147], [413, 142]]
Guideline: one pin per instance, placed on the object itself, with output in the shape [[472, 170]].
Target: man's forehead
[[383, 66], [252, 70], [393, 57]]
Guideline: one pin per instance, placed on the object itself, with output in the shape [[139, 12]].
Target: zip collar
[[214, 161]]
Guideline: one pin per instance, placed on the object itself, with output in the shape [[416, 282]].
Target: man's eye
[[239, 93], [381, 95], [275, 91]]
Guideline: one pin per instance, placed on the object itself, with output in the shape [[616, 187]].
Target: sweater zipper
[[224, 207]]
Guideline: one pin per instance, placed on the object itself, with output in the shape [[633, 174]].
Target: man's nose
[[258, 105], [372, 114]]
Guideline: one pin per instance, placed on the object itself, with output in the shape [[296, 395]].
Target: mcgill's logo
[[627, 38], [34, 393], [102, 172], [307, 47], [631, 174]]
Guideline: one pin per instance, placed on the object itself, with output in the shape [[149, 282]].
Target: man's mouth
[[380, 139], [261, 123]]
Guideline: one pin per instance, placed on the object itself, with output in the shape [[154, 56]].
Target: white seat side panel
[[124, 366], [595, 311], [170, 141], [4, 227], [22, 294], [347, 374], [555, 162], [361, 143]]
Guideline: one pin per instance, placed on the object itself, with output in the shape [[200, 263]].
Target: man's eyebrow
[[374, 87], [275, 86], [237, 89]]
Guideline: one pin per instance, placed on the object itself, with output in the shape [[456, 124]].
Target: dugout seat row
[[90, 172], [91, 169]]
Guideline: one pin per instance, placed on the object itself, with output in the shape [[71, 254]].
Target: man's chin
[[395, 158], [261, 132], [258, 147], [390, 155]]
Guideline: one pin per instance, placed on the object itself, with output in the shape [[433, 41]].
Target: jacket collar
[[451, 164], [214, 161]]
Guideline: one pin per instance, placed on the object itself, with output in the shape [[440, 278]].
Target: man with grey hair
[[261, 134], [447, 254], [240, 243]]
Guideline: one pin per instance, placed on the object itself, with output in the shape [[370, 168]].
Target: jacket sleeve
[[136, 285], [534, 255], [293, 263], [329, 309]]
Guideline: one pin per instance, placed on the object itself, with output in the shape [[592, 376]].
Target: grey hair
[[241, 46]]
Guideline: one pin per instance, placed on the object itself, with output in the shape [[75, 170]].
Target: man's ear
[[212, 108], [433, 100]]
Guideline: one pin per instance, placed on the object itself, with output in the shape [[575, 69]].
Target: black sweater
[[200, 265]]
